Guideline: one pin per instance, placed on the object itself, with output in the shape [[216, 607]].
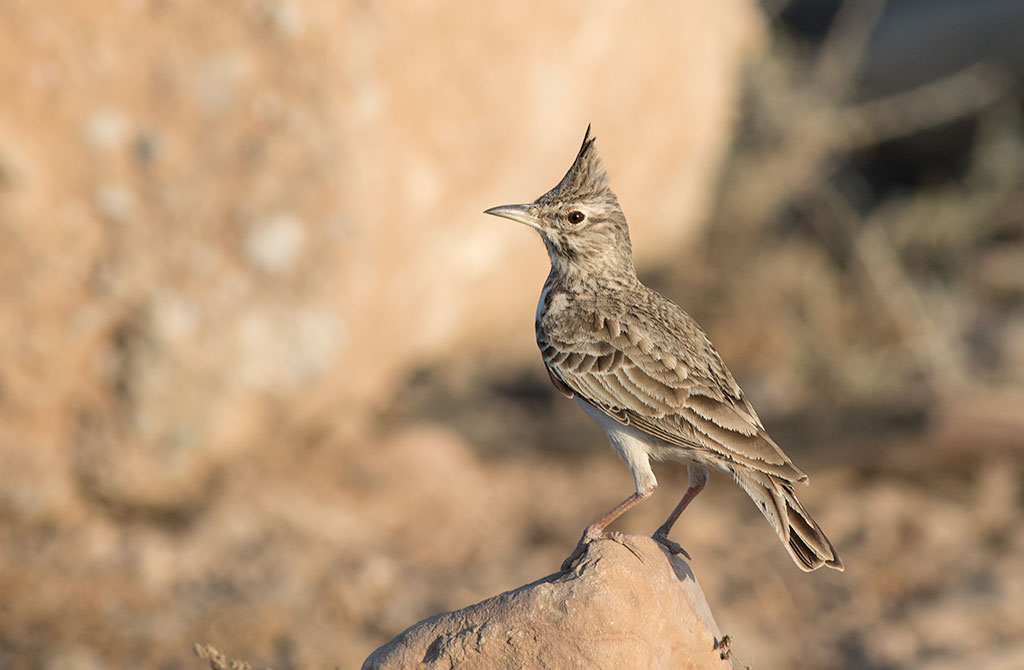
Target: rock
[[631, 606], [106, 129], [274, 244], [315, 212], [115, 202]]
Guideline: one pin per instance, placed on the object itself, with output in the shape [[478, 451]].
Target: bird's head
[[579, 220]]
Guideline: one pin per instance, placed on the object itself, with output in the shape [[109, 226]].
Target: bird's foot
[[590, 534], [724, 647], [673, 547]]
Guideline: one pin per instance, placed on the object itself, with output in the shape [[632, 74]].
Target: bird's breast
[[542, 303]]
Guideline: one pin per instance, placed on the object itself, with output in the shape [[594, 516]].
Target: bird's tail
[[804, 539]]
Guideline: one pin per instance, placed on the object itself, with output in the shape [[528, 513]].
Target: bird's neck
[[582, 275]]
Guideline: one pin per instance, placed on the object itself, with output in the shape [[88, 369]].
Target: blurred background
[[267, 373]]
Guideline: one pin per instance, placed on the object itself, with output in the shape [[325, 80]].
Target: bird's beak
[[520, 213]]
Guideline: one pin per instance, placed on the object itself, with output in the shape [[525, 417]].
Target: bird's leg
[[698, 478], [596, 530]]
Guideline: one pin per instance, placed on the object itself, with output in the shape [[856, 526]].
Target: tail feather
[[803, 538]]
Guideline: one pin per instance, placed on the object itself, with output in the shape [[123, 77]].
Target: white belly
[[637, 448]]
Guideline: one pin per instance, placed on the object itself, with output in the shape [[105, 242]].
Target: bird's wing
[[675, 388]]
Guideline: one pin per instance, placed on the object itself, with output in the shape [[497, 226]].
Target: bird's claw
[[576, 554], [673, 547], [590, 535]]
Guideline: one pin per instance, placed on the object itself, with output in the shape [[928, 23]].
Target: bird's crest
[[585, 179]]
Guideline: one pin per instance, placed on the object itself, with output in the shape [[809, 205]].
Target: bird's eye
[[575, 217]]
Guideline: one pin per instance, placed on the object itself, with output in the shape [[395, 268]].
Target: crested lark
[[643, 369]]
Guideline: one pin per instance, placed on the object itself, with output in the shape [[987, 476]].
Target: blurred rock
[[274, 244], [106, 129], [115, 203], [621, 607], [209, 223]]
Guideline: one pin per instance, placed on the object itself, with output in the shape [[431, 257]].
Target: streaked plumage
[[642, 368]]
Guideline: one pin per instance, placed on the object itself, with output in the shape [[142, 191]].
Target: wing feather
[[679, 394]]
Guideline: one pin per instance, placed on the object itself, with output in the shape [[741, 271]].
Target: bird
[[646, 372]]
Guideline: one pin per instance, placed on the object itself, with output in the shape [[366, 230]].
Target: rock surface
[[632, 606]]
